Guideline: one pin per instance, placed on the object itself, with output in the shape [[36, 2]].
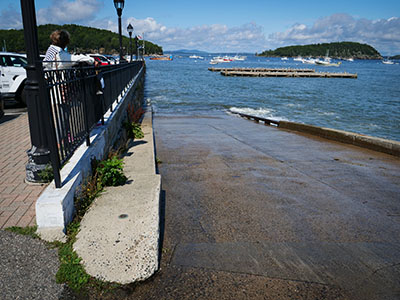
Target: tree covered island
[[335, 50], [83, 40]]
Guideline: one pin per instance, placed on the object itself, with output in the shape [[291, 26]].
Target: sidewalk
[[17, 199]]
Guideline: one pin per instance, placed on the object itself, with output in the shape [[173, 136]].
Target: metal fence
[[79, 98]]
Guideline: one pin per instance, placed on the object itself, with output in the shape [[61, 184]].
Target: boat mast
[[143, 45]]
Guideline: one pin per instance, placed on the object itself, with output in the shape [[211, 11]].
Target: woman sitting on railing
[[57, 56]]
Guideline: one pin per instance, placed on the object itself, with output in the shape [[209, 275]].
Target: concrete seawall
[[356, 139], [369, 142]]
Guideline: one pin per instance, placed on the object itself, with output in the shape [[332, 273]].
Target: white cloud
[[64, 11], [10, 18], [382, 34], [215, 37]]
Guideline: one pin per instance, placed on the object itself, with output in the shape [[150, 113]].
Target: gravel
[[28, 268]]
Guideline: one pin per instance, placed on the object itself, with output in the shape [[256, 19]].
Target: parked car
[[112, 59], [101, 59], [13, 76]]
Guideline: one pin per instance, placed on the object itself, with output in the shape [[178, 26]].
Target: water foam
[[260, 112]]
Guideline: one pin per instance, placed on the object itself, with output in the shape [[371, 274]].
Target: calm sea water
[[367, 105]]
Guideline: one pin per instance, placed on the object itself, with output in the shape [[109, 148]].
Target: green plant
[[89, 191], [134, 130], [47, 173], [109, 172], [105, 173], [71, 271], [132, 126], [137, 131], [29, 230]]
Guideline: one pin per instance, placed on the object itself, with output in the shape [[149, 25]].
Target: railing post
[[41, 125], [85, 106]]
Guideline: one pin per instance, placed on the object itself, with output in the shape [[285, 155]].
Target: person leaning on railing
[[63, 97], [57, 56]]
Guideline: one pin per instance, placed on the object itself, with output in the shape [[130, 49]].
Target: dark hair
[[60, 38]]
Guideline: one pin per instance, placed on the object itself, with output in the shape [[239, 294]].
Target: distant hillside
[[336, 50], [189, 51], [395, 57], [83, 39]]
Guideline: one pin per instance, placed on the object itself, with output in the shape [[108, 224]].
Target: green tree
[[83, 39], [336, 50]]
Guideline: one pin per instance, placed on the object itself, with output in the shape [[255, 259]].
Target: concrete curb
[[364, 141], [360, 140], [119, 235]]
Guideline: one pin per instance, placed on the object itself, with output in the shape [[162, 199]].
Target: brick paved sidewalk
[[17, 199]]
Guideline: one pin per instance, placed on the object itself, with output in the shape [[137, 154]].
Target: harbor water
[[367, 105]]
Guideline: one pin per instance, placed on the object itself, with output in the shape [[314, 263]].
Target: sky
[[229, 26]]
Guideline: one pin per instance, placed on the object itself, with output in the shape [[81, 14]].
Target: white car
[[13, 76]]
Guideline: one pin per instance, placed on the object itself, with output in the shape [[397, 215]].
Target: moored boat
[[219, 59], [327, 63], [161, 57], [388, 62], [196, 57]]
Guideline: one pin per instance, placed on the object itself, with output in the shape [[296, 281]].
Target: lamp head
[[129, 29], [119, 6]]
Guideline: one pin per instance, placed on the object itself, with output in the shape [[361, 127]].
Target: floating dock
[[263, 72]]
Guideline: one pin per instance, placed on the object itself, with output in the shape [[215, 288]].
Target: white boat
[[310, 61], [350, 59], [327, 63], [284, 58], [388, 62], [219, 59], [196, 57], [239, 58], [298, 58]]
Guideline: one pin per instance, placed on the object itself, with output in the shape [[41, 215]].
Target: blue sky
[[234, 26]]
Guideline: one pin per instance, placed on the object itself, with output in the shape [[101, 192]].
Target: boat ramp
[[280, 72]]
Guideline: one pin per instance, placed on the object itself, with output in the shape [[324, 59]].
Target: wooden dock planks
[[264, 72], [261, 70]]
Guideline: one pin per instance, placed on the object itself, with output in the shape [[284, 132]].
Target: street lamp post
[[119, 6], [137, 47], [41, 124], [130, 30]]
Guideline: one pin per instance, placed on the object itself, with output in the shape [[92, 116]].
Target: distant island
[[83, 40], [336, 50], [188, 51], [395, 57]]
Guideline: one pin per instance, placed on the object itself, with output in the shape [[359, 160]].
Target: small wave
[[294, 105], [260, 112]]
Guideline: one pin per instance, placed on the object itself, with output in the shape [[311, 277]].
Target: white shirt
[[57, 58]]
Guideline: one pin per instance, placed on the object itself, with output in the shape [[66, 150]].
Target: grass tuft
[[29, 230]]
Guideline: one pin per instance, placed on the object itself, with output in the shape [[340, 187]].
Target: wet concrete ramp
[[254, 203]]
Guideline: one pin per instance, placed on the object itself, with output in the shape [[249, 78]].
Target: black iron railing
[[79, 98]]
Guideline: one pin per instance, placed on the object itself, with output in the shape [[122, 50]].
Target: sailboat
[[327, 61]]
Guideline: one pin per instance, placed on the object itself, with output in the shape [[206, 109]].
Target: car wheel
[[22, 96]]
